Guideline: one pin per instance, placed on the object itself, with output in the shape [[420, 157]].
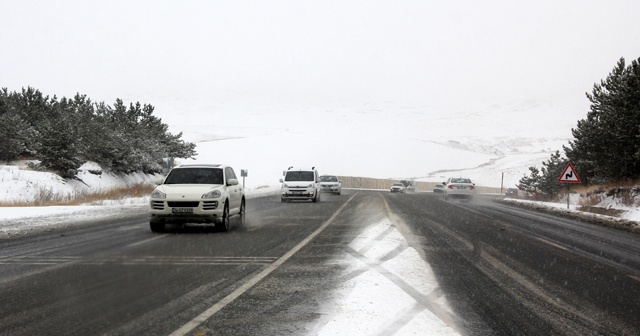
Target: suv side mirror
[[159, 181], [281, 181], [232, 182]]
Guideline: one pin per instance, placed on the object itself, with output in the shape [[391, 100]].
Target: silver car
[[397, 188], [331, 183]]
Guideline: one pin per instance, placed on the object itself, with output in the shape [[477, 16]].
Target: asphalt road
[[502, 269]]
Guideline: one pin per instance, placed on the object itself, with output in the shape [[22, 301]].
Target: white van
[[300, 184]]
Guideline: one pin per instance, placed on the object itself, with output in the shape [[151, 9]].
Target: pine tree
[[544, 182], [606, 145], [551, 170], [531, 183]]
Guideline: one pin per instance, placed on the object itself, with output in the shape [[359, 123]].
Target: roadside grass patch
[[48, 197]]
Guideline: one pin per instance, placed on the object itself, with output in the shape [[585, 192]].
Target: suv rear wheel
[[242, 214]]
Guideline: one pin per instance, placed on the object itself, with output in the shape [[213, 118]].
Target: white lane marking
[[252, 282], [146, 241], [562, 247], [127, 228], [634, 277]]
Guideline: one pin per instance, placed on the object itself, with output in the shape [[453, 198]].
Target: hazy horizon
[[494, 77]]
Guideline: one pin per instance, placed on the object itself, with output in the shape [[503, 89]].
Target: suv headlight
[[310, 186], [158, 194], [212, 194]]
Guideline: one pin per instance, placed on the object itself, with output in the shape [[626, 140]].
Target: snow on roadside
[[18, 184], [628, 220]]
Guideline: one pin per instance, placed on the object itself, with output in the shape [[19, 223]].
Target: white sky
[[400, 51]]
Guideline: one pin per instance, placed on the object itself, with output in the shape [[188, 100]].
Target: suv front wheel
[[224, 226], [156, 226]]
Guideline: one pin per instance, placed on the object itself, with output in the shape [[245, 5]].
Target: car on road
[[397, 188], [410, 185], [300, 184], [198, 193], [459, 187], [439, 188], [331, 184], [511, 192]]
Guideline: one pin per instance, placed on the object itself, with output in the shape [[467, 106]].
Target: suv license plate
[[182, 210]]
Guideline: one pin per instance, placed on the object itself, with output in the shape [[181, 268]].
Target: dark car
[[511, 192]]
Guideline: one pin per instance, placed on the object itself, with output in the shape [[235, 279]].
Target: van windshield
[[293, 176]]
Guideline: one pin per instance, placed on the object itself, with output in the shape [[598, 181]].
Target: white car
[[198, 194], [439, 188], [397, 188], [410, 185], [331, 183], [300, 184], [459, 187]]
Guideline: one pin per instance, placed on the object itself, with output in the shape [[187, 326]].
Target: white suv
[[198, 194], [300, 184]]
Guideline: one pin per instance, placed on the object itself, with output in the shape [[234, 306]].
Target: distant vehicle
[[459, 187], [300, 184], [197, 194], [331, 183], [397, 188], [439, 188], [511, 192], [410, 185]]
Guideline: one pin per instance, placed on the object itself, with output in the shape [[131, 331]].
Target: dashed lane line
[[198, 320]]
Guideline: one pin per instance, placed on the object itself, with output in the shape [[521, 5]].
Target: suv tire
[[224, 226], [242, 215], [156, 226]]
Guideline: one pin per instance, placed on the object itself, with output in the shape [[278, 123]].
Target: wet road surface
[[471, 268]]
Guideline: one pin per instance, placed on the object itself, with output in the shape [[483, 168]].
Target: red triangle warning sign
[[569, 175]]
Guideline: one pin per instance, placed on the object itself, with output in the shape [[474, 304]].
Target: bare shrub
[[590, 199], [626, 197]]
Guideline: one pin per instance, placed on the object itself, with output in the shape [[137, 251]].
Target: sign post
[[568, 176], [244, 173]]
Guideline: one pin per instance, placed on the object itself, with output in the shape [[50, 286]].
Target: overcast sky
[[319, 51]]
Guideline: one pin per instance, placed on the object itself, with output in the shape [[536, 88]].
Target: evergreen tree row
[[64, 133], [606, 144]]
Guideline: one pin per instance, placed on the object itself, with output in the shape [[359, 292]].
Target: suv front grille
[[183, 204]]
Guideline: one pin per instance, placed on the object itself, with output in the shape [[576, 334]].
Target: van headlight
[[212, 194]]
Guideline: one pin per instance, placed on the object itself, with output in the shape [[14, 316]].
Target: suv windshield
[[328, 179], [294, 176], [195, 176]]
